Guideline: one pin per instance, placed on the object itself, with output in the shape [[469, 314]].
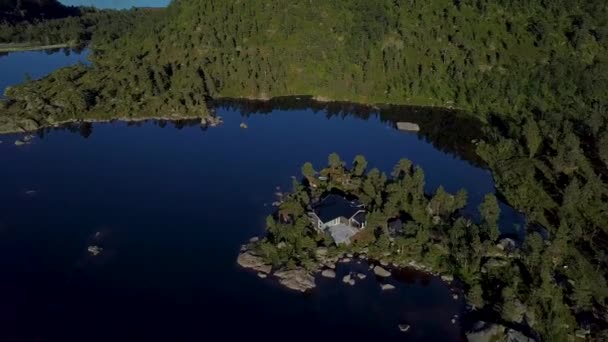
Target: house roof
[[360, 217], [334, 206], [342, 233]]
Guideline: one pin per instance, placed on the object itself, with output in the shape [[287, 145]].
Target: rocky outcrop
[[298, 279], [487, 332], [256, 263], [328, 273], [387, 287], [381, 272]]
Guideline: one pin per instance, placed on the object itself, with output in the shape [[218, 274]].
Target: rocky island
[[339, 214]]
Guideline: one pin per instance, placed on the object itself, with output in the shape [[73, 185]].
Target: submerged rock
[[387, 287], [298, 279], [243, 125], [94, 250], [328, 273], [404, 327], [361, 276], [20, 143], [381, 272], [256, 263]]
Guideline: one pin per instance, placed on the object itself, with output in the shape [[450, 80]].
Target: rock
[[330, 265], [254, 239], [506, 244], [351, 282], [28, 138], [20, 143], [281, 245], [349, 255], [298, 279], [404, 327], [384, 263], [321, 253], [453, 320], [370, 267], [455, 296], [328, 273], [262, 275], [362, 256], [345, 260], [243, 125], [381, 272], [248, 260], [447, 278], [516, 336], [347, 279], [408, 126], [361, 276], [387, 287], [94, 250], [436, 220], [582, 333], [492, 263], [486, 332], [30, 192]]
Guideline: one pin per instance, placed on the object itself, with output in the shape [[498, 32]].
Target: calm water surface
[[171, 203]]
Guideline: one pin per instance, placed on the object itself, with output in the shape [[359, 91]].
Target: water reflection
[[450, 131]]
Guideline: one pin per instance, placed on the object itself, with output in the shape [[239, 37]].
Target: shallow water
[[171, 203]]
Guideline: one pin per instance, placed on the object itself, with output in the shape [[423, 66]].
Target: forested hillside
[[535, 71], [19, 10]]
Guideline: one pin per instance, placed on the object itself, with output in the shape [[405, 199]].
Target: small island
[[338, 213]]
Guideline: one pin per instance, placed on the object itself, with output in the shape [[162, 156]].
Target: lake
[[171, 203]]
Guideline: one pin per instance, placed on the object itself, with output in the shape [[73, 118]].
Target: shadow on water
[[450, 131]]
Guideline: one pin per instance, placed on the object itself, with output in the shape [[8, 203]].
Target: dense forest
[[45, 22], [536, 72]]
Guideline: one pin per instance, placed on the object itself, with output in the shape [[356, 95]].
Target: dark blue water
[[171, 204], [17, 67]]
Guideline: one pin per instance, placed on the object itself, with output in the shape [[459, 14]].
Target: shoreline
[[303, 280], [210, 121], [28, 47]]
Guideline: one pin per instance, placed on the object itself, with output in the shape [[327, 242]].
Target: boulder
[[321, 253], [447, 278], [94, 250], [387, 287], [256, 263], [506, 244], [404, 327], [516, 336], [361, 276], [254, 239], [298, 279], [486, 332], [381, 272], [328, 273], [347, 279], [20, 143], [345, 260], [408, 126], [455, 296], [262, 275], [493, 263], [243, 125]]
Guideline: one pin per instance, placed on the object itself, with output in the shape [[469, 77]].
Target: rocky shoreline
[[29, 125], [302, 280]]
